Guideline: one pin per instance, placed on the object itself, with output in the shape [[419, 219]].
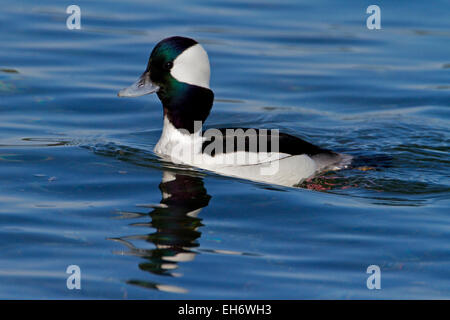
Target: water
[[80, 184]]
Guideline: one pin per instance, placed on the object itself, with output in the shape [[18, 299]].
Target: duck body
[[178, 70]]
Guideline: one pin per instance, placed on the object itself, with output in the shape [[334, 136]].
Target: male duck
[[178, 71]]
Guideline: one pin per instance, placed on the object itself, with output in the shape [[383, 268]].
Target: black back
[[287, 143]]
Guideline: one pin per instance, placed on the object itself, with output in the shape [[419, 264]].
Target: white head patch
[[192, 67]]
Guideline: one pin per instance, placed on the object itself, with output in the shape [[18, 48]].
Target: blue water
[[80, 184]]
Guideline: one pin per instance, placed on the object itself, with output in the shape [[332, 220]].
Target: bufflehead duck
[[178, 71]]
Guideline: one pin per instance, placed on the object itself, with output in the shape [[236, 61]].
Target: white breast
[[179, 146]]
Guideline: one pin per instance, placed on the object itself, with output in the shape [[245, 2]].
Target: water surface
[[80, 184]]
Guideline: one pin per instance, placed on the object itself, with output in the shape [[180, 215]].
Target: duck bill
[[142, 86]]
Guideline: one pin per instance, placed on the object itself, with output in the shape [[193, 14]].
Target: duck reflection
[[176, 222]]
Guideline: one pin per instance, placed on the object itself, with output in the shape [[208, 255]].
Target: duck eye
[[168, 65]]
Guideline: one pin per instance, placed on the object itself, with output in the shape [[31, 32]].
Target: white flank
[[277, 168]]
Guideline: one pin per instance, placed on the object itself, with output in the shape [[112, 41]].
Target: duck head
[[178, 71]]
